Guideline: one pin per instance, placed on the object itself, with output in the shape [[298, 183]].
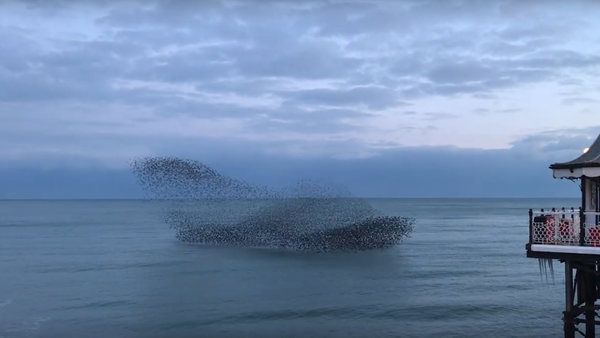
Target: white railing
[[564, 227]]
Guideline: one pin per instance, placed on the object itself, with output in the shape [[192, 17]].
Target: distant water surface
[[112, 269]]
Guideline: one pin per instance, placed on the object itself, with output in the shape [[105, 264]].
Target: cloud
[[96, 82], [393, 172], [572, 82], [438, 116], [510, 110], [482, 111], [558, 145], [577, 100], [373, 98]]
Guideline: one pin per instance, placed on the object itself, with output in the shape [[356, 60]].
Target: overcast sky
[[392, 98]]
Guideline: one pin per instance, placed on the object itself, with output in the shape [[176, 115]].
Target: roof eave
[[574, 165]]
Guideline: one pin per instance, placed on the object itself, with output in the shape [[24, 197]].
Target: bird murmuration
[[204, 206]]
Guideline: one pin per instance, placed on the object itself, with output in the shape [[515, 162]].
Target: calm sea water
[[112, 269]]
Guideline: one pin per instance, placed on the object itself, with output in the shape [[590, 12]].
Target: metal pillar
[[569, 324], [581, 293], [590, 299]]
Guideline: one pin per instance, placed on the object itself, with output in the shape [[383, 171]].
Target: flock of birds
[[207, 207]]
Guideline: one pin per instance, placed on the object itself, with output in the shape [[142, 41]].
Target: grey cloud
[[40, 87], [99, 55], [571, 82], [476, 77], [413, 92], [370, 74], [317, 60], [171, 107], [292, 113], [378, 17], [577, 100], [157, 38], [485, 96], [499, 47], [566, 17], [308, 126], [485, 111], [332, 113], [453, 89], [387, 144], [80, 71], [348, 19], [375, 98], [291, 59], [248, 86], [255, 49], [509, 110], [561, 58], [395, 172], [199, 65], [274, 52], [412, 64], [461, 72], [556, 145], [15, 39], [438, 116], [320, 121], [535, 31], [430, 89], [569, 143], [164, 13], [481, 76], [553, 148], [369, 56]]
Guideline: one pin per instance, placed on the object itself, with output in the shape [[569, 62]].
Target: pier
[[572, 236]]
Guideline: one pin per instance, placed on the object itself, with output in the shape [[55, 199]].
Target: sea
[[112, 268]]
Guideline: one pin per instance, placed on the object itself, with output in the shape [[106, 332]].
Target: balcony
[[569, 231]]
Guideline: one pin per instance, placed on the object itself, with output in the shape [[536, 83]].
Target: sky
[[390, 98]]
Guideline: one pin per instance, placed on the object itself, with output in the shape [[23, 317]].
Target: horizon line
[[355, 197]]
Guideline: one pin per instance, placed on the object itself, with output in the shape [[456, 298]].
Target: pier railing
[[573, 227]]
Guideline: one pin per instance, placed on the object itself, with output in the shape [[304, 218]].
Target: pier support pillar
[[590, 299], [581, 293], [568, 316]]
